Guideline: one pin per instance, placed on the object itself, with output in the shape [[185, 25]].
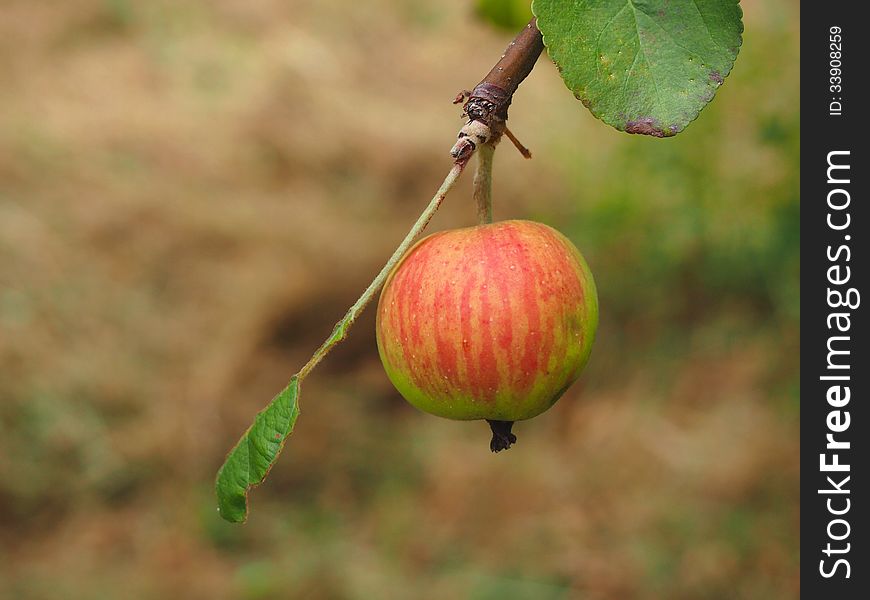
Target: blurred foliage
[[191, 194], [510, 15]]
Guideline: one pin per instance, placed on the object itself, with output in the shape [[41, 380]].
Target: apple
[[489, 322]]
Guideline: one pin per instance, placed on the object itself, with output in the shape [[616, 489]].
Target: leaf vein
[[601, 33], [706, 26], [630, 70], [672, 36], [652, 77]]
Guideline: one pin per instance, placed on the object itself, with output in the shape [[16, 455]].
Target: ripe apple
[[490, 322]]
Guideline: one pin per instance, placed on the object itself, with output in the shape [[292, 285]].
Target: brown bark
[[490, 99]]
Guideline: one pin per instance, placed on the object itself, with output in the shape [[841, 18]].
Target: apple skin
[[489, 322]]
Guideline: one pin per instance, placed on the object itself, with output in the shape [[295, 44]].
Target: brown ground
[[192, 193]]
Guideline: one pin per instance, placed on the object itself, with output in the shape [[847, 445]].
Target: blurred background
[[192, 193]]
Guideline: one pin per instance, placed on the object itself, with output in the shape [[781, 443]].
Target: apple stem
[[339, 333], [483, 183], [502, 438]]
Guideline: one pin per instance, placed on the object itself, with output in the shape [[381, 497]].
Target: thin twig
[[340, 330], [517, 144], [488, 102]]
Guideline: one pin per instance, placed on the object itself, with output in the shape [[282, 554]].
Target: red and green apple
[[489, 322]]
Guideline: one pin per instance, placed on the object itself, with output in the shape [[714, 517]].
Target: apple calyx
[[502, 438]]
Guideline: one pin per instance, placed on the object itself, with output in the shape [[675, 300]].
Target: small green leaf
[[249, 461], [642, 66]]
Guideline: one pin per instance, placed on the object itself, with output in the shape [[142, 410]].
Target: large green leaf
[[249, 461], [642, 66]]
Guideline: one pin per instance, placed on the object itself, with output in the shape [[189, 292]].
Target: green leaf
[[249, 461], [642, 66]]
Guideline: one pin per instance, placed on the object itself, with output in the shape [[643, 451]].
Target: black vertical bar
[[834, 326]]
